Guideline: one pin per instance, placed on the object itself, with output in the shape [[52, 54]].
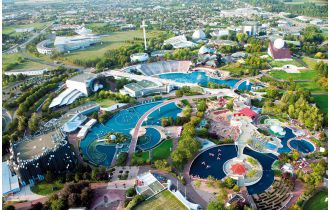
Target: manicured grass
[[113, 41], [44, 188], [321, 102], [7, 59], [233, 67], [303, 75], [274, 63], [312, 86], [162, 151], [317, 202], [106, 102], [11, 29], [310, 62], [162, 201]]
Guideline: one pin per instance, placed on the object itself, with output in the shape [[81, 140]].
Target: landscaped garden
[[44, 188], [163, 151], [164, 200], [303, 75]]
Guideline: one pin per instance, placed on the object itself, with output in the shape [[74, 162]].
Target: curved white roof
[[279, 43], [198, 34]]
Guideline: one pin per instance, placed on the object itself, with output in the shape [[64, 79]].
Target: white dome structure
[[112, 137], [279, 43], [276, 129], [204, 50], [198, 35]]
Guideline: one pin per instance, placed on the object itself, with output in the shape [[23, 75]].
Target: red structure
[[246, 112], [238, 168], [222, 101], [279, 54]]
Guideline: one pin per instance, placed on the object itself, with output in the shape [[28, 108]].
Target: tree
[[236, 188], [229, 182], [74, 200], [58, 204], [295, 207], [241, 37], [295, 154], [178, 93], [215, 205], [37, 206], [163, 165], [8, 207], [49, 178]]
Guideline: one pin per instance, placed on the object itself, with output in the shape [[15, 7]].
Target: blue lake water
[[302, 146], [284, 141], [149, 140], [216, 166], [267, 179], [200, 78]]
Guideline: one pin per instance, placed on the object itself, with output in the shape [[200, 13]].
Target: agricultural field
[[164, 200]]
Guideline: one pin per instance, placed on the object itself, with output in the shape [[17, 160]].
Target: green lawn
[[162, 151], [162, 201], [317, 202], [322, 102], [274, 63], [44, 188], [303, 75], [11, 29], [310, 62], [113, 41], [106, 102], [312, 86], [8, 59]]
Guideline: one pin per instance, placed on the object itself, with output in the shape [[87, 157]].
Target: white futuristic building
[[139, 57], [67, 44], [219, 33], [179, 42], [43, 47], [144, 87], [83, 31], [77, 86]]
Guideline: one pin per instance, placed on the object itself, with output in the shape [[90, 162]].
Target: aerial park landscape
[[153, 105]]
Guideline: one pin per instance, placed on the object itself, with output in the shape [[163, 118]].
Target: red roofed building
[[238, 169], [278, 50], [246, 112]]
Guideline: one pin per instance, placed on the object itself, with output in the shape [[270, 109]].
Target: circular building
[[139, 57], [44, 47], [198, 35]]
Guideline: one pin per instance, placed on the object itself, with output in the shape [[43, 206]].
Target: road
[[23, 45]]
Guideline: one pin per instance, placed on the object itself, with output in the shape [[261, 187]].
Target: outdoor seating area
[[275, 197]]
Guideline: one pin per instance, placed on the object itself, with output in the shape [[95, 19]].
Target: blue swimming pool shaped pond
[[149, 140], [284, 141], [302, 146], [200, 78], [266, 160], [199, 166], [102, 153]]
